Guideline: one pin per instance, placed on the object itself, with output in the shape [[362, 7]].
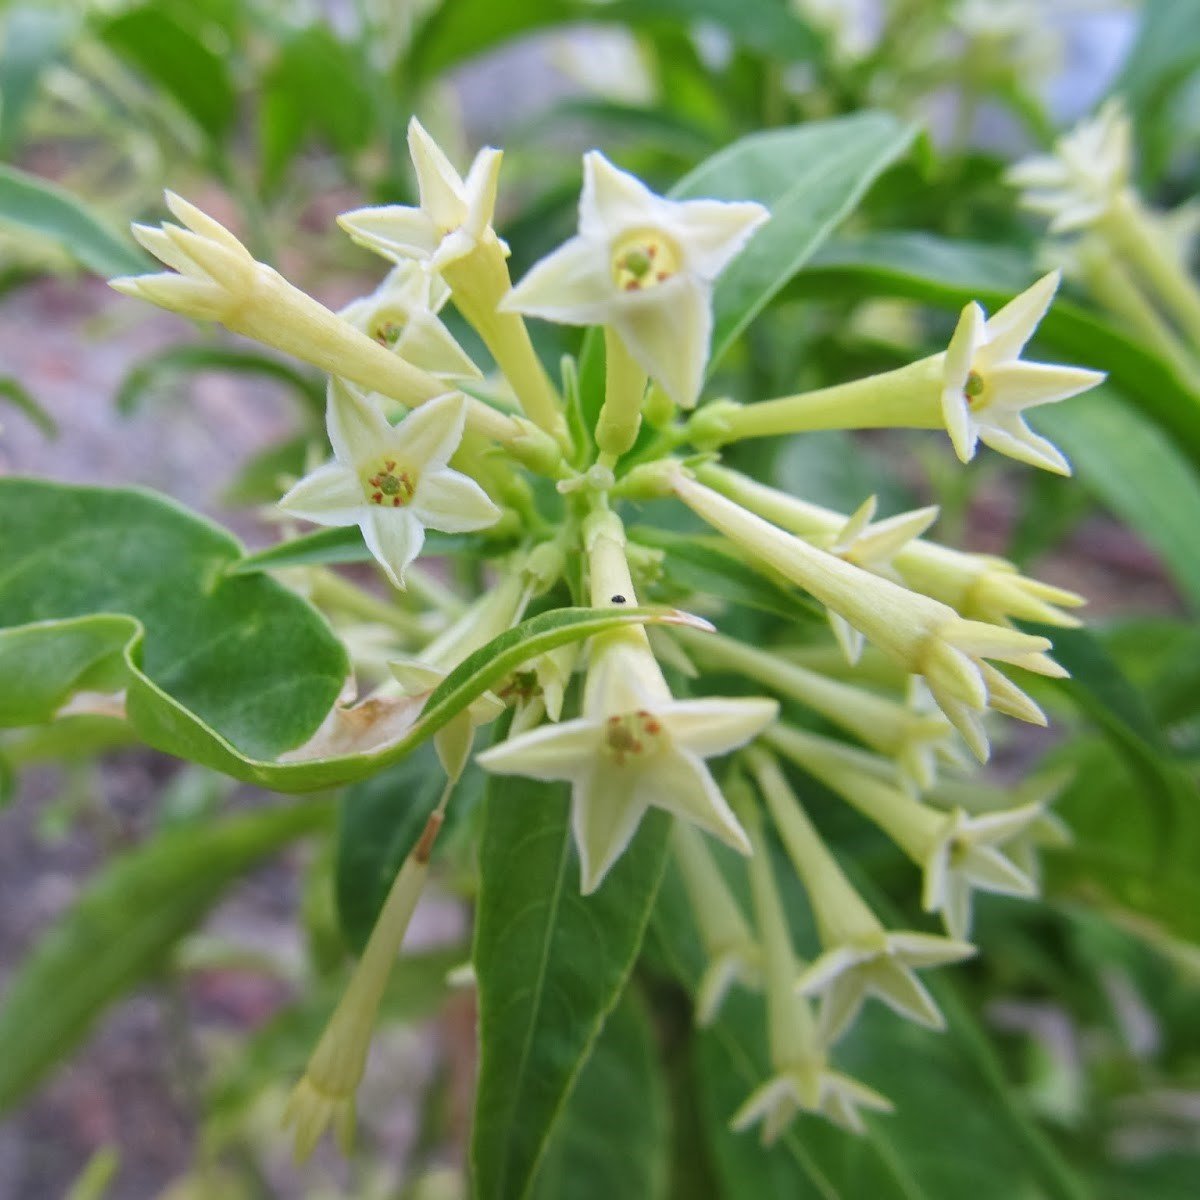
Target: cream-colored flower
[[859, 957], [957, 852], [631, 750], [455, 214], [986, 386], [392, 481], [644, 266], [214, 277], [1089, 170], [401, 314]]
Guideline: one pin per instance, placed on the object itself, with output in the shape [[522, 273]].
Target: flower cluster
[[924, 634]]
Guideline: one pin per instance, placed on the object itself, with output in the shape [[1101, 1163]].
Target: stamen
[[390, 487], [644, 258], [632, 735]]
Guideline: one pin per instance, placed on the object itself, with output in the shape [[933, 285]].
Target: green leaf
[[29, 406], [218, 667], [551, 965], [924, 267], [152, 371], [454, 32], [810, 177], [315, 86], [698, 563], [179, 61], [37, 206], [33, 39], [121, 929], [1134, 470], [612, 1139], [244, 655], [1166, 51]]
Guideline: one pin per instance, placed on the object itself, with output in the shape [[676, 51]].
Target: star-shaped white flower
[[401, 314], [986, 386], [872, 545], [454, 216], [393, 482], [644, 266], [1088, 171], [810, 1087], [881, 964], [631, 751]]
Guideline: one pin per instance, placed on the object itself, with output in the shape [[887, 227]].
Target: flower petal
[[430, 434], [429, 345], [1009, 434], [605, 814], [1018, 385], [330, 495], [394, 537], [396, 231], [713, 232], [667, 330], [573, 286], [1008, 330], [358, 431], [681, 784], [451, 502], [960, 353], [443, 197], [713, 726], [613, 201], [482, 181], [899, 988], [550, 752]]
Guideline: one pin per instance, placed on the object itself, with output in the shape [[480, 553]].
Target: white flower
[[401, 314], [872, 545], [813, 1088], [393, 482], [644, 266], [986, 386], [455, 214], [632, 750], [1089, 170]]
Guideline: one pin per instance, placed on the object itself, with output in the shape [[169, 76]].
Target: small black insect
[[618, 599]]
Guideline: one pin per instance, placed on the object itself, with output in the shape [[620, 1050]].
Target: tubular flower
[[957, 852], [979, 586], [986, 386], [455, 214], [633, 747], [802, 1079], [401, 314], [733, 954], [643, 266], [924, 636], [392, 482], [859, 957], [214, 277], [1081, 181]]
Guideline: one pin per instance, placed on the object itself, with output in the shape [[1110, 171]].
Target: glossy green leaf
[[243, 654], [34, 205], [121, 929], [1133, 469], [176, 58], [925, 267], [551, 965], [11, 390], [155, 370], [612, 1139], [1166, 51], [810, 177]]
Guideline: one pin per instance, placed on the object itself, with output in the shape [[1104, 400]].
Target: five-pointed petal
[[644, 266], [883, 965], [393, 482], [986, 385], [454, 216], [808, 1087], [619, 764]]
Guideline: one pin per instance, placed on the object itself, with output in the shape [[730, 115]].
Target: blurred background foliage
[[1072, 1067]]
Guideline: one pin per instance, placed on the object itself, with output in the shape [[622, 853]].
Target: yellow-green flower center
[[632, 736], [643, 259], [975, 390], [388, 486]]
